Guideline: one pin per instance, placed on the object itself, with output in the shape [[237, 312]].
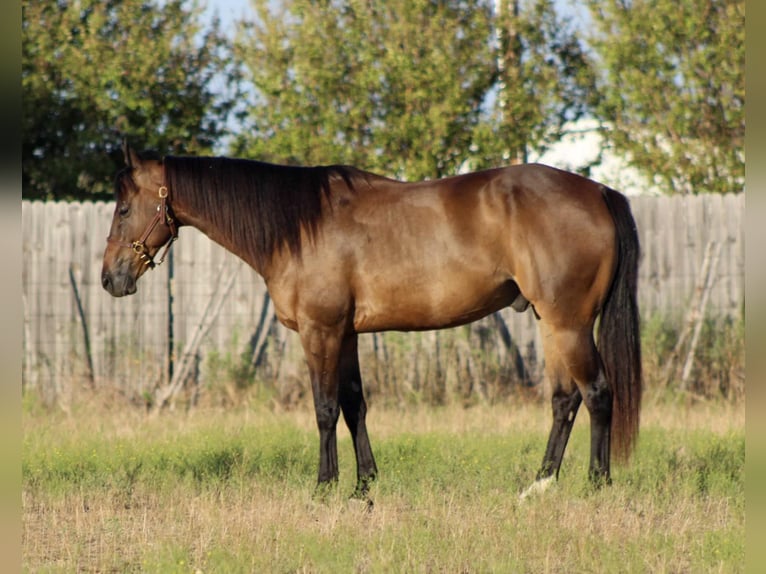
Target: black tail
[[619, 340]]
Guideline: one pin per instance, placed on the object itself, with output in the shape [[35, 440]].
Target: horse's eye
[[123, 210]]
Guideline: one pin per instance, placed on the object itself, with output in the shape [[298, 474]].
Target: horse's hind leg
[[575, 372], [578, 351], [565, 402], [354, 410], [598, 400]]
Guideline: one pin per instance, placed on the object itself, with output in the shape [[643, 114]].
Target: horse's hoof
[[361, 496], [323, 490], [364, 503], [537, 487], [600, 480]]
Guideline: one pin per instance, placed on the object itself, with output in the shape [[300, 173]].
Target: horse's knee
[[565, 406], [598, 399], [584, 364], [327, 413], [352, 402]]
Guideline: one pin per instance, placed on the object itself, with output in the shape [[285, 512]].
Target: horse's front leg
[[322, 349], [354, 411]]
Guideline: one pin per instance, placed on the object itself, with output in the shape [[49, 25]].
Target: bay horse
[[344, 251]]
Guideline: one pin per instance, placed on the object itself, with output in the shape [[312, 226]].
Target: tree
[[546, 81], [415, 89], [673, 89], [394, 86], [94, 71]]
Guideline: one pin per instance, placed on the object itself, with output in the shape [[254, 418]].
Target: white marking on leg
[[537, 487]]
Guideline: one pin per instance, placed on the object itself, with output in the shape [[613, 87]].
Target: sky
[[228, 10], [571, 153], [231, 10]]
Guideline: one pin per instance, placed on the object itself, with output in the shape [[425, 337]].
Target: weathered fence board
[[129, 336]]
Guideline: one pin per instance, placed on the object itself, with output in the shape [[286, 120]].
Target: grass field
[[214, 491]]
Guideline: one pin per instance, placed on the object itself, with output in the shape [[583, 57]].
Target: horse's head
[[142, 223]]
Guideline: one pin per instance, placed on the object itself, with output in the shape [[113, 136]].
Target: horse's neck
[[225, 236]]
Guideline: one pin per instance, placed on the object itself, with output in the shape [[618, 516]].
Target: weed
[[718, 361]]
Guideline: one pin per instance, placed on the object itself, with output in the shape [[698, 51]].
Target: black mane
[[258, 207]]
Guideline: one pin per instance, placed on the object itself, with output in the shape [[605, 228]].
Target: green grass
[[232, 492]]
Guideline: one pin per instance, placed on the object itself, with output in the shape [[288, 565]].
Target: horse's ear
[[131, 157]]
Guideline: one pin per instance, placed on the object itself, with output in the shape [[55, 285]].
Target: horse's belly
[[417, 305]]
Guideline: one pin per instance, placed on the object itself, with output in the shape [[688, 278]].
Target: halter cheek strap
[[164, 216]]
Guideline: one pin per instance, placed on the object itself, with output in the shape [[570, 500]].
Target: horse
[[344, 251]]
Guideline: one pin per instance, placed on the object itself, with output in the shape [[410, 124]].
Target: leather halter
[[164, 216]]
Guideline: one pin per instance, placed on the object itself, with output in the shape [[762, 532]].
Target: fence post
[[171, 317], [84, 325]]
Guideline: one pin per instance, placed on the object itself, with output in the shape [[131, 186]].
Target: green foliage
[[659, 335], [411, 89], [668, 463], [392, 86], [232, 378], [205, 457], [701, 463], [673, 88], [230, 368], [546, 80], [470, 365], [719, 357], [93, 72]]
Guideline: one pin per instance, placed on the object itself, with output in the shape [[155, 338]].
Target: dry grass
[[257, 529], [446, 501]]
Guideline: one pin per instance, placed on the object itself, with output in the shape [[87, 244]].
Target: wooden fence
[[76, 335]]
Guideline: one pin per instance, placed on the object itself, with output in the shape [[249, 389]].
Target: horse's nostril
[[106, 281]]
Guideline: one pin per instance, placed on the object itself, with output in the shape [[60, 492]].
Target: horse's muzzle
[[118, 285]]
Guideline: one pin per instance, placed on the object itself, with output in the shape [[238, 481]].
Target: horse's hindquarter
[[564, 243]]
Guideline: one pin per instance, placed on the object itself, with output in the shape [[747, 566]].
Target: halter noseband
[[164, 216]]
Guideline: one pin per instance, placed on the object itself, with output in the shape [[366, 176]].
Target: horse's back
[[445, 252]]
